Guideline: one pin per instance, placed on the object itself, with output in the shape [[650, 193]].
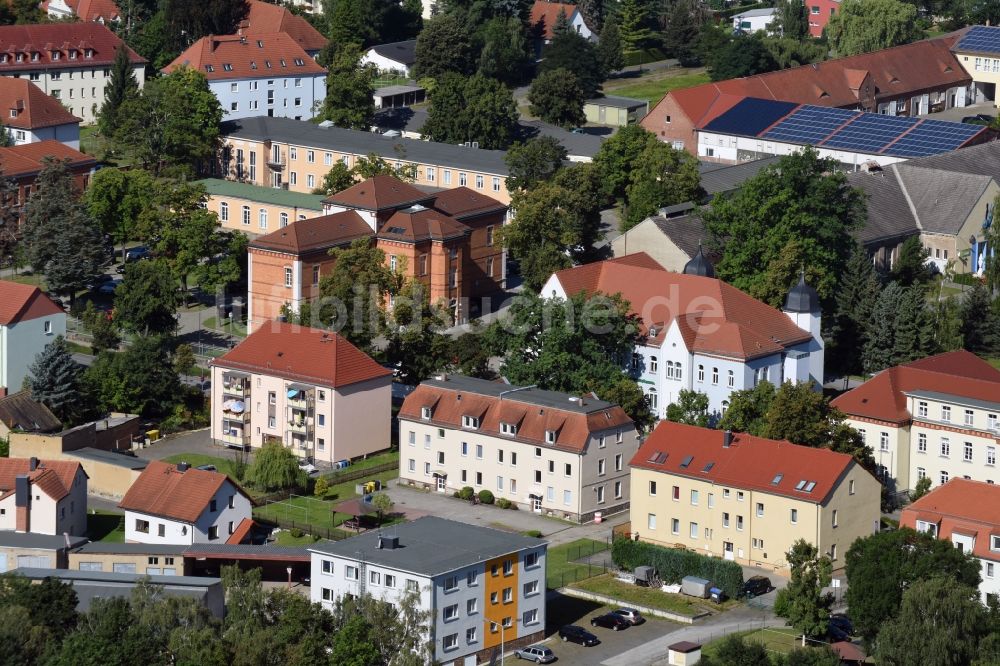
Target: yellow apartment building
[[258, 210]]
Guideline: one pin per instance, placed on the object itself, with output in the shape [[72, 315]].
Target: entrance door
[[727, 550], [536, 504], [441, 484]]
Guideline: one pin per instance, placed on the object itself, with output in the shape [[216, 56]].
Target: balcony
[[301, 444], [302, 426], [276, 162], [236, 437], [236, 389]]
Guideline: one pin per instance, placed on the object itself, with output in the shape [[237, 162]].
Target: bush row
[[673, 564]]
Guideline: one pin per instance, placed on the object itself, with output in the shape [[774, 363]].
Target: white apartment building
[[481, 587], [29, 321], [69, 61], [547, 452]]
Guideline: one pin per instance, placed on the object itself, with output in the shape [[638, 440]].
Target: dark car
[[576, 634], [756, 586], [610, 621], [978, 119], [137, 254], [842, 623]]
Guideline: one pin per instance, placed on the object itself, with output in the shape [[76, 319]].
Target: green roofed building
[[256, 210]]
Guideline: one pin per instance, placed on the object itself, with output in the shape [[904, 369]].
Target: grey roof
[[618, 102], [942, 200], [577, 144], [888, 214], [401, 118], [113, 577], [722, 178], [402, 52], [767, 11], [19, 412], [118, 459], [40, 541], [802, 298], [103, 548], [958, 399], [686, 231], [387, 91], [526, 395], [431, 546], [236, 550], [337, 139]]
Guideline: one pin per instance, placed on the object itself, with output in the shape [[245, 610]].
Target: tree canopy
[[54, 380], [139, 380], [475, 109], [444, 46], [350, 87], [743, 55], [533, 161], [146, 300], [573, 52], [863, 26], [805, 605], [557, 98], [275, 467], [661, 176]]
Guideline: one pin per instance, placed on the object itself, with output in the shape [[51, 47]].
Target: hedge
[[643, 57], [673, 564]]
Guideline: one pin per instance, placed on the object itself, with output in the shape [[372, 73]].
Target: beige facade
[[255, 211], [154, 563], [954, 248], [984, 70], [647, 237], [951, 437], [751, 526]]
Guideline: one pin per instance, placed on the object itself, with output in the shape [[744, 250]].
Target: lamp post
[[289, 570], [501, 625]]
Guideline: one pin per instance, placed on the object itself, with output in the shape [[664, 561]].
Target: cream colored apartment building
[[548, 452], [748, 499], [257, 211]]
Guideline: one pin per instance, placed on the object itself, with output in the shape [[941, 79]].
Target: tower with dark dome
[[699, 265], [803, 307]]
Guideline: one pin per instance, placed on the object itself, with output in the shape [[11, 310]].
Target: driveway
[[196, 441]]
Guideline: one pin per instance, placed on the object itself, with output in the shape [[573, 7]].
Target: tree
[[748, 409], [991, 263], [189, 20], [863, 26], [533, 161], [417, 345], [691, 408], [636, 31], [788, 52], [352, 294], [184, 361], [855, 301], [471, 109], [373, 164], [791, 21], [980, 314], [802, 198], [115, 198], [275, 467], [799, 414], [881, 567], [121, 86], [922, 487], [743, 55], [806, 607], [557, 98], [146, 301], [54, 380], [321, 488], [443, 46], [609, 48], [911, 265], [10, 219], [618, 157], [337, 179], [349, 88], [662, 176], [901, 329], [939, 624], [571, 51], [382, 503], [139, 380], [103, 330], [62, 240], [683, 32], [734, 651], [505, 54]]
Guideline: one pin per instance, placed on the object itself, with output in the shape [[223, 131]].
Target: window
[[967, 452], [739, 523], [479, 451], [946, 413], [989, 570], [694, 498], [412, 585], [715, 375], [496, 184], [500, 484], [693, 530], [450, 583], [652, 488], [508, 595], [725, 519], [618, 462], [794, 516], [921, 473], [994, 542], [142, 526], [508, 428], [731, 379], [757, 543], [618, 489], [530, 560], [850, 487], [262, 218], [945, 447], [479, 182], [834, 517], [601, 464], [676, 493], [922, 442], [701, 373], [449, 642], [472, 606], [470, 635], [760, 509], [462, 179], [567, 497], [739, 495], [450, 612], [470, 422], [883, 441], [944, 477], [569, 469], [600, 494], [675, 526], [991, 421], [246, 215], [288, 276], [213, 532], [922, 408], [311, 181], [991, 455], [968, 417]]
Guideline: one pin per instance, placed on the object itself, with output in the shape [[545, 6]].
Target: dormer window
[[72, 55], [267, 63], [209, 68], [13, 113], [19, 57], [929, 527], [299, 62], [425, 413], [550, 436], [3, 58], [508, 428], [253, 65], [470, 422], [89, 53], [55, 55], [283, 63], [226, 66], [34, 56]]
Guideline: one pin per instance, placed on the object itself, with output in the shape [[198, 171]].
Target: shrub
[[781, 603], [322, 487], [537, 534], [486, 497], [503, 503], [673, 564], [465, 493], [296, 533]]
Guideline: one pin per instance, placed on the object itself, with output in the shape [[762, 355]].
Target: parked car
[[842, 623], [630, 615], [536, 653], [137, 254], [109, 288], [610, 621], [207, 468], [576, 634], [756, 586]]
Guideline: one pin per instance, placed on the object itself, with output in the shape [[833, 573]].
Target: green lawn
[[106, 526], [606, 585], [367, 463], [238, 329], [224, 465], [285, 538], [995, 362], [561, 566], [656, 84], [781, 640]]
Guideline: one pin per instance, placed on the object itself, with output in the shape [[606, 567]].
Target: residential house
[[482, 588], [548, 452], [105, 12], [908, 80], [33, 116], [754, 20], [545, 15], [670, 240], [303, 388], [273, 151], [256, 210], [701, 334], [978, 50], [69, 61], [395, 58], [966, 513], [266, 18], [22, 164], [263, 74], [748, 499], [819, 13], [19, 413], [177, 504], [935, 418], [28, 549], [29, 321], [43, 496], [445, 240]]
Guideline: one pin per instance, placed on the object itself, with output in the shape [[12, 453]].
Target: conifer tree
[[980, 315], [856, 297], [609, 48], [54, 380], [880, 344], [120, 87]]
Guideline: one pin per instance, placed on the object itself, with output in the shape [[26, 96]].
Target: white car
[[536, 653]]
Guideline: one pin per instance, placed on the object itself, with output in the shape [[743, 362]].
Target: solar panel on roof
[[931, 137], [810, 124], [980, 39], [870, 132], [750, 116]]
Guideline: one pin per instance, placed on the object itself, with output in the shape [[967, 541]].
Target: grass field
[[655, 84], [224, 465], [238, 329], [367, 463], [285, 538], [781, 640], [561, 566], [106, 526], [606, 585]]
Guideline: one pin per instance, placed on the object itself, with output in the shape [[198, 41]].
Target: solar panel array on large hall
[[842, 129], [980, 39]]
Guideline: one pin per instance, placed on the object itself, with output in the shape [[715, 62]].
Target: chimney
[[183, 467], [22, 503], [32, 464], [727, 439], [388, 543]]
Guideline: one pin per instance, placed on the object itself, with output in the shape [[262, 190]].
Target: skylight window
[[267, 63], [253, 65], [226, 66], [658, 458], [800, 485], [687, 461], [209, 68], [810, 486], [777, 479], [708, 468], [260, 43], [283, 63], [299, 62]]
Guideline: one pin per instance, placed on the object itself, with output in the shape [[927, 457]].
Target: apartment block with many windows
[[746, 498], [545, 451], [481, 587]]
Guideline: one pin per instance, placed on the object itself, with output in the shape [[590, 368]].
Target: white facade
[[47, 515], [220, 518], [68, 134], [728, 147], [298, 97], [755, 20], [21, 342], [384, 64], [79, 87]]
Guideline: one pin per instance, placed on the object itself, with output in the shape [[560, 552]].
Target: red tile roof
[[63, 37], [54, 477], [574, 427], [299, 353], [315, 233], [379, 193], [265, 18], [26, 159], [462, 202], [241, 531], [714, 317], [963, 506], [33, 107], [547, 13], [750, 462], [897, 71], [163, 490], [418, 224], [22, 302], [958, 373], [261, 56], [97, 11]]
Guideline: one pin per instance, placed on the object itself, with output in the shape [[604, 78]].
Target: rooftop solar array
[[750, 116], [810, 124], [980, 39], [870, 132], [931, 137]]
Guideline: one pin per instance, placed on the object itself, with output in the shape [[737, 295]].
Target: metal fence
[[347, 474], [565, 565]]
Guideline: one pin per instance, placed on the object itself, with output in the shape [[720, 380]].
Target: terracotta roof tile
[[265, 18], [26, 159], [34, 108], [241, 531], [418, 223], [315, 233], [380, 193], [545, 14], [260, 56], [963, 506], [64, 37], [299, 353], [750, 462], [163, 490], [22, 302], [959, 373], [462, 202], [97, 11], [54, 477]]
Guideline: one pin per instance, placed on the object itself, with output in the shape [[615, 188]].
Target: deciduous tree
[[471, 109], [505, 55], [662, 176], [571, 51], [349, 88], [534, 161], [807, 608], [557, 98], [115, 198], [146, 301], [139, 380], [618, 157], [743, 55], [443, 46], [691, 408], [863, 26], [275, 467]]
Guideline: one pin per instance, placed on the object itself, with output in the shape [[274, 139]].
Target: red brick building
[[819, 12]]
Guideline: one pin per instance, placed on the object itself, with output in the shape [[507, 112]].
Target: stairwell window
[[946, 414], [288, 277]]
